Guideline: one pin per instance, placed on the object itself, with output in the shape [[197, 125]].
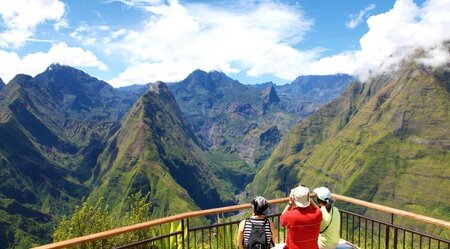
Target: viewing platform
[[186, 231]]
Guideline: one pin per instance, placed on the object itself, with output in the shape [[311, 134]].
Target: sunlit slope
[[385, 141], [156, 151]]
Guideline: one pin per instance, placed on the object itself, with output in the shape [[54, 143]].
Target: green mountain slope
[[386, 141], [50, 138], [32, 179], [156, 151]]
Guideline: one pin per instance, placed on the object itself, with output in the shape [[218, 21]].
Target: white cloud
[[435, 57], [257, 37], [261, 37], [356, 19], [20, 17], [62, 23], [35, 63], [392, 37], [89, 35]]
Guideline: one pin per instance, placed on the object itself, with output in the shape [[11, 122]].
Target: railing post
[[187, 236], [386, 244], [395, 237], [182, 235]]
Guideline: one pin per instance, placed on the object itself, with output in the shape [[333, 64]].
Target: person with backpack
[[256, 232], [331, 221], [302, 218]]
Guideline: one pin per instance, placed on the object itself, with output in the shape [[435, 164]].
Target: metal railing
[[187, 231], [366, 232]]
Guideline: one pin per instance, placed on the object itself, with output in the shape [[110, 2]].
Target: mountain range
[[65, 135], [248, 120], [197, 143], [385, 141]]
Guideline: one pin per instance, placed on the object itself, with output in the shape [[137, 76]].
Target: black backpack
[[257, 239]]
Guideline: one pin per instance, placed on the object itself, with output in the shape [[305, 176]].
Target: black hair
[[259, 205], [327, 203], [321, 201]]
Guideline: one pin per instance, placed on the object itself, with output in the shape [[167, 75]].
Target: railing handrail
[[192, 214], [395, 211]]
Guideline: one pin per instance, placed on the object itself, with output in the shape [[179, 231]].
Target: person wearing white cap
[[302, 217], [331, 221]]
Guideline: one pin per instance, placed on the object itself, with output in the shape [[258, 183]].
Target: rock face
[[271, 96], [380, 141]]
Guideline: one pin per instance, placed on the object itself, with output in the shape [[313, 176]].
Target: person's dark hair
[[326, 203], [321, 201], [259, 205]]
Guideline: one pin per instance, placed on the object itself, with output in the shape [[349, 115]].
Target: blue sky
[[138, 41]]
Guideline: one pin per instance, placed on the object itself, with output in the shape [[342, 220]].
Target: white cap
[[301, 196], [323, 193]]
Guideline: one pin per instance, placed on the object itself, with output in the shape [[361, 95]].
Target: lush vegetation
[[155, 148], [52, 129], [385, 141], [96, 216]]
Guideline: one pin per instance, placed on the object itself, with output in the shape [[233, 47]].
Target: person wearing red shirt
[[302, 218]]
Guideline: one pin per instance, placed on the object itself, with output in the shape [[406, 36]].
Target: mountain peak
[[65, 77], [2, 84], [218, 75], [53, 66], [213, 75], [208, 81], [198, 71], [58, 69], [270, 95], [196, 74], [22, 79], [161, 89]]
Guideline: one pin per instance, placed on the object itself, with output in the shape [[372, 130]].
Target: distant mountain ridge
[[84, 94], [310, 85], [2, 84], [224, 113], [312, 91], [231, 116]]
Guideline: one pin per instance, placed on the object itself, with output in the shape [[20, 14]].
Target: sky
[[128, 42]]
